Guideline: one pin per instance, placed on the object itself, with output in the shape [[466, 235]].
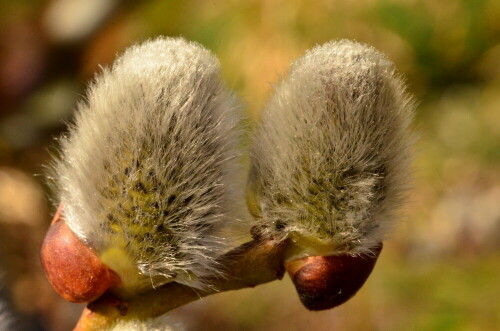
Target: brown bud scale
[[74, 271], [324, 282]]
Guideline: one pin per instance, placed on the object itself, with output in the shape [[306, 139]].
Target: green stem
[[254, 263]]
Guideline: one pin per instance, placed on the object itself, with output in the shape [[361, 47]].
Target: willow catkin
[[330, 156], [147, 175], [161, 323]]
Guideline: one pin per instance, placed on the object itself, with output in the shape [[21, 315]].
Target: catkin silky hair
[[161, 323], [148, 174], [330, 155]]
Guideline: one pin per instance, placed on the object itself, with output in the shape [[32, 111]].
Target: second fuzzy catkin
[[330, 156], [147, 176]]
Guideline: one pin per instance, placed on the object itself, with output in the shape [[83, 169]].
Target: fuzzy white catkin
[[331, 154], [161, 323], [148, 172]]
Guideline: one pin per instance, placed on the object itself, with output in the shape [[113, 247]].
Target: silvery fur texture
[[331, 154], [161, 323], [149, 165]]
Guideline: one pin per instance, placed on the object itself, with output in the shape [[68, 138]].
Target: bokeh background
[[440, 271]]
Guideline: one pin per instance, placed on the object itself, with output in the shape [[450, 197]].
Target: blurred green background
[[440, 271]]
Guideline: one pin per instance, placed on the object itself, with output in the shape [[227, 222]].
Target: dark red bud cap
[[324, 282], [74, 271]]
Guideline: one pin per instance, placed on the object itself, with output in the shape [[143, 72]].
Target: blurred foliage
[[440, 271]]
